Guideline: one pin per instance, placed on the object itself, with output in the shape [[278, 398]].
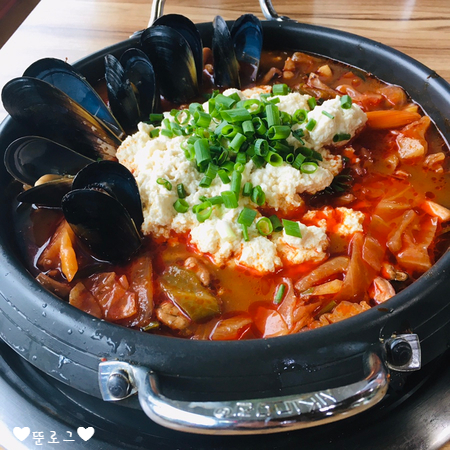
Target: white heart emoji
[[85, 433], [21, 433]]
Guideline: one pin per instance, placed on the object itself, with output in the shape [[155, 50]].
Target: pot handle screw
[[403, 352], [119, 384]]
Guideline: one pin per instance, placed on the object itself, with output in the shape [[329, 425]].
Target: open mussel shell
[[30, 157], [122, 98], [51, 113], [102, 224], [139, 71], [48, 194], [64, 77], [247, 37], [115, 179], [226, 66], [190, 32], [173, 61]]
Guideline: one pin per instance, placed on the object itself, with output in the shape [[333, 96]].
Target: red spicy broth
[[404, 200]]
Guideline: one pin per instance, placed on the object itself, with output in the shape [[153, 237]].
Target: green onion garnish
[[258, 196], [217, 200], [276, 223], [248, 128], [278, 132], [292, 228], [279, 294], [229, 199], [241, 158], [264, 226], [259, 125], [300, 116], [181, 191], [308, 167], [273, 115], [182, 117], [166, 132], [227, 102], [280, 89], [205, 182], [224, 176], [247, 191], [154, 133], [253, 106], [245, 233], [311, 124], [247, 216], [166, 183], [181, 206], [235, 115], [236, 178], [237, 142], [312, 103], [261, 147], [274, 159], [298, 161], [202, 119], [211, 171], [346, 102], [326, 113], [202, 153], [339, 137], [156, 117], [204, 211]]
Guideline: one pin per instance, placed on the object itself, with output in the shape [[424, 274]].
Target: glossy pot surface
[[69, 344]]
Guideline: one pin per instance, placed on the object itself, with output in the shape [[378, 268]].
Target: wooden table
[[71, 29]]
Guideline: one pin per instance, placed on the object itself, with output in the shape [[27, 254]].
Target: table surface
[[71, 29]]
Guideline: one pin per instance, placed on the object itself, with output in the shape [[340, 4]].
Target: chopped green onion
[[216, 200], [182, 117], [289, 158], [261, 147], [222, 157], [181, 191], [248, 128], [235, 115], [259, 126], [202, 153], [273, 115], [298, 161], [264, 226], [279, 294], [292, 228], [154, 133], [241, 158], [195, 107], [227, 102], [280, 89], [326, 113], [181, 206], [274, 100], [300, 116], [245, 233], [247, 191], [253, 106], [237, 142], [166, 132], [278, 132], [236, 178], [308, 167], [258, 196], [204, 211], [346, 102], [230, 131], [274, 159], [205, 182], [286, 118], [312, 103], [211, 171], [202, 119], [229, 199], [298, 134], [276, 223], [239, 167], [228, 167], [247, 216], [259, 161], [224, 176], [156, 117], [339, 137], [311, 124], [327, 308], [166, 183]]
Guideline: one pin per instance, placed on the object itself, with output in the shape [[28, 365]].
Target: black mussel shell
[[48, 194], [115, 179], [51, 113], [190, 32], [64, 77], [102, 224], [122, 98], [226, 66], [30, 157], [139, 71], [173, 61], [247, 36]]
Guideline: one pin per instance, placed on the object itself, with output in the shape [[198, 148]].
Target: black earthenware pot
[[304, 372]]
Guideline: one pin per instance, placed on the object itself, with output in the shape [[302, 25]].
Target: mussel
[[104, 211]]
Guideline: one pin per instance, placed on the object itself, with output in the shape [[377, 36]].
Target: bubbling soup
[[309, 197]]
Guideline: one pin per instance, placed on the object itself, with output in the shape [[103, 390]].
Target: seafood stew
[[376, 221]]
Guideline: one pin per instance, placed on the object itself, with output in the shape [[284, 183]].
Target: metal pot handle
[[266, 8], [265, 415]]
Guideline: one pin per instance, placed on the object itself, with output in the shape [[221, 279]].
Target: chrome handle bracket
[[264, 415]]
